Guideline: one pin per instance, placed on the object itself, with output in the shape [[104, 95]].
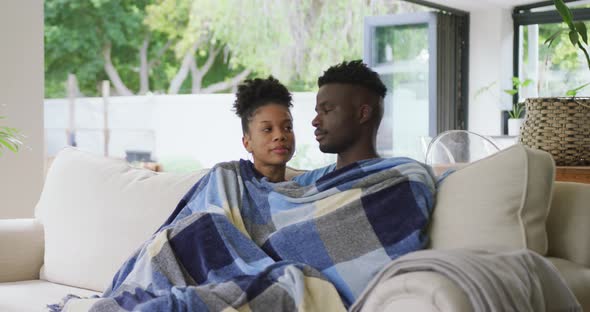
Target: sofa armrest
[[568, 224], [418, 291], [21, 249]]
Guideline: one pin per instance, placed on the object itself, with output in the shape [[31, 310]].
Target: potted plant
[[10, 138], [516, 114], [561, 125], [576, 31]]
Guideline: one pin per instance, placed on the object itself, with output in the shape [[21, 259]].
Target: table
[[580, 174]]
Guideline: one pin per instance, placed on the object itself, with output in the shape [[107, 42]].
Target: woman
[[267, 125], [208, 256]]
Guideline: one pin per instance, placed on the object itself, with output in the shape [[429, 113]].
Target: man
[[349, 107]]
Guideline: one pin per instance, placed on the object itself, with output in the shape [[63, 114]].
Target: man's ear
[[246, 143], [366, 113]]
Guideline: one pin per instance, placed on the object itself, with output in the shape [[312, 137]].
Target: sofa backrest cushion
[[97, 211], [500, 201]]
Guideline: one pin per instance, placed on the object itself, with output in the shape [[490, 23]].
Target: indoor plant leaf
[[554, 36], [574, 91], [581, 28], [5, 142], [9, 138], [585, 54], [527, 82], [573, 37], [565, 13], [511, 92]]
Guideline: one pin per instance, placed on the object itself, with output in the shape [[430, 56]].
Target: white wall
[[21, 100], [490, 61], [195, 127]]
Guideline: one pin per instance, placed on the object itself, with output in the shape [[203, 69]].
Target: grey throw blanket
[[520, 280]]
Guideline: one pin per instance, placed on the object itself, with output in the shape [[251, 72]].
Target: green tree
[[199, 46], [189, 25], [292, 40], [95, 40]]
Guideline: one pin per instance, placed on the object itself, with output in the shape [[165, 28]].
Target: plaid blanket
[[237, 241]]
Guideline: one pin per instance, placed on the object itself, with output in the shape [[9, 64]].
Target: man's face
[[336, 120]]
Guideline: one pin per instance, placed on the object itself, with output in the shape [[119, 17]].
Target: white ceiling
[[475, 5]]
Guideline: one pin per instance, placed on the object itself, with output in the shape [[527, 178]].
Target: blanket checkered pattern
[[238, 242]]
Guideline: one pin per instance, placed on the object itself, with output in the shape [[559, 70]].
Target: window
[[556, 69], [422, 59]]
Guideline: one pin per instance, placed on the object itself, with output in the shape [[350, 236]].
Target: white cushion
[[96, 212], [499, 201], [35, 295]]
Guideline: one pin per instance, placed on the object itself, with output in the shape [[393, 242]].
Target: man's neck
[[348, 157]]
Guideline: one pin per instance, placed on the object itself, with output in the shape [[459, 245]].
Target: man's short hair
[[354, 73]]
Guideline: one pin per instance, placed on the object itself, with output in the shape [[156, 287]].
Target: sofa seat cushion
[[567, 226], [577, 277], [96, 212], [35, 295], [500, 201]]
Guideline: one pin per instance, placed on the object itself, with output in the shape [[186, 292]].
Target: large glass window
[[554, 69], [141, 85], [421, 58], [401, 56]]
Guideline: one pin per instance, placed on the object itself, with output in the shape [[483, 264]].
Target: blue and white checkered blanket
[[237, 241]]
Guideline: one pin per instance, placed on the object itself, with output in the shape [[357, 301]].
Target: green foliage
[[517, 84], [76, 33], [518, 107], [516, 111], [292, 40], [577, 34], [560, 56], [574, 92], [10, 138], [484, 89]]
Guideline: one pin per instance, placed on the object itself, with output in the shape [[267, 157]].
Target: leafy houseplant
[[10, 138], [515, 115], [577, 31], [561, 125], [577, 34], [518, 107], [516, 112]]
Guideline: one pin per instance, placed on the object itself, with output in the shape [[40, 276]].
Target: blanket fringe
[[58, 307]]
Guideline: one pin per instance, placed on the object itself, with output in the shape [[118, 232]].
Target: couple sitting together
[[247, 238]]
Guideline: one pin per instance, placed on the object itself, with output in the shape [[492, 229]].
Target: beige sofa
[[94, 212]]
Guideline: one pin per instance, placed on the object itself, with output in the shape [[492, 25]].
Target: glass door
[[402, 49]]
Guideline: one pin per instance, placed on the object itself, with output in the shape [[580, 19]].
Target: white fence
[[183, 132]]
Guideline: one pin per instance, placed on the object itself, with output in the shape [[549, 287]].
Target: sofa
[[94, 212]]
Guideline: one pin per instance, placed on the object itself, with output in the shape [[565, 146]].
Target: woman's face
[[270, 136]]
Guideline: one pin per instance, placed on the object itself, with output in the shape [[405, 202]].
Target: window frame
[[522, 16]]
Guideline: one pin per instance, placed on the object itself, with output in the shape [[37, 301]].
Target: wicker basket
[[560, 126]]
